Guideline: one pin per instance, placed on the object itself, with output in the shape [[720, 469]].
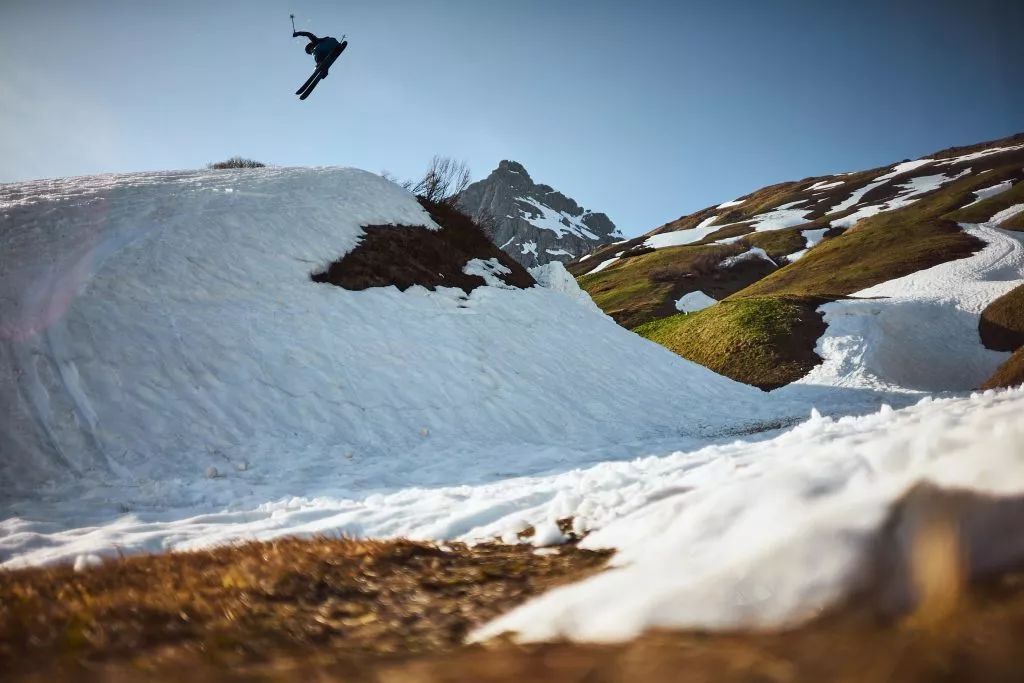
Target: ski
[[320, 72], [309, 89]]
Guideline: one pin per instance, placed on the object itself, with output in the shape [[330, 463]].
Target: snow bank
[[694, 301], [770, 533], [920, 332]]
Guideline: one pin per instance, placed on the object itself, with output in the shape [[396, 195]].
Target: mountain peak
[[534, 223]]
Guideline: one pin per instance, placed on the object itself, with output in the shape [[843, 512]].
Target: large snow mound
[[162, 328]]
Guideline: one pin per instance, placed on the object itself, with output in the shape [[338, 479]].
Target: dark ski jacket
[[322, 47]]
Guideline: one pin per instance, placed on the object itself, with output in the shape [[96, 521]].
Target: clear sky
[[644, 110]]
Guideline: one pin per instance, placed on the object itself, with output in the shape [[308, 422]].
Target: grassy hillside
[[764, 341], [920, 234]]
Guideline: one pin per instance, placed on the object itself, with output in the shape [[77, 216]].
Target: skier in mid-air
[[324, 50]]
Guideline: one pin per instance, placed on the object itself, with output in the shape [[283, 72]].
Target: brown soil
[[404, 256], [1009, 374], [343, 602], [1002, 322]]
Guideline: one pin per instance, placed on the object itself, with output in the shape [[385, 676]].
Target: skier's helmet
[[309, 49]]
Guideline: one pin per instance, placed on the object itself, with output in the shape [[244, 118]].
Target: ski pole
[[293, 22]]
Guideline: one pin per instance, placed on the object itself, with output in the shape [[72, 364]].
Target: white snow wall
[[155, 325]]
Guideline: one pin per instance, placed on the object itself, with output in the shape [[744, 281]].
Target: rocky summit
[[533, 222]]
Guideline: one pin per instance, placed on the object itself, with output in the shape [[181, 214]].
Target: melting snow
[[905, 167], [558, 222], [753, 253], [728, 205], [490, 270], [913, 188], [978, 155], [986, 192], [680, 237], [694, 301], [824, 185]]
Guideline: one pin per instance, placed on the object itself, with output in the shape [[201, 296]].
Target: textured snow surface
[[771, 532], [164, 352], [694, 301]]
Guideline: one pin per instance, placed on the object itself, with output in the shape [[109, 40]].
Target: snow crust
[[694, 301], [768, 533]]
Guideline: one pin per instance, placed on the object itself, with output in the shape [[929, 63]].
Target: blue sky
[[645, 110]]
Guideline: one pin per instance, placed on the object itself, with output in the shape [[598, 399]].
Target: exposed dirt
[[404, 256], [1002, 322], [343, 602], [1009, 374]]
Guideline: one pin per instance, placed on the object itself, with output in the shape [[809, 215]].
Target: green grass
[[764, 341]]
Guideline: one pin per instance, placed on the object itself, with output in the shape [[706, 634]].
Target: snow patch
[[753, 253], [490, 270], [904, 167], [987, 192], [694, 301], [678, 238]]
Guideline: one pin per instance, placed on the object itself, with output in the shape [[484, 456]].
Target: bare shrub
[[236, 162], [443, 181]]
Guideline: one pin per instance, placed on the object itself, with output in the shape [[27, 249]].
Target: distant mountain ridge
[[533, 222]]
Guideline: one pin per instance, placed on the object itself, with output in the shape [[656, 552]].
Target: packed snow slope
[[163, 345], [931, 242]]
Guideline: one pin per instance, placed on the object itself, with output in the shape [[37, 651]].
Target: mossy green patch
[[764, 341]]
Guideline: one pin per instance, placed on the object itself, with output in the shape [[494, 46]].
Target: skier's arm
[[306, 34]]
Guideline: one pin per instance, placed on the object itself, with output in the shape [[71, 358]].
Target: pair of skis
[[320, 72]]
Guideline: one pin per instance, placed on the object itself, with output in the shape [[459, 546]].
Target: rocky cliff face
[[533, 223]]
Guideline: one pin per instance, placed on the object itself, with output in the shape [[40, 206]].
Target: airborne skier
[[324, 50]]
